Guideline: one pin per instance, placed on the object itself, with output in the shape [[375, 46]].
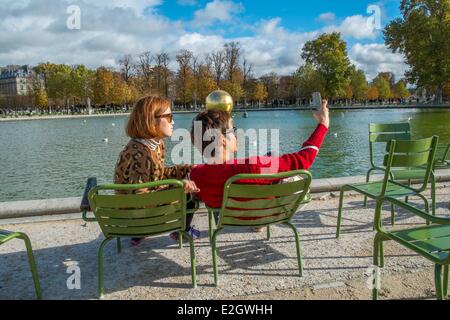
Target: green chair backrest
[[385, 132], [253, 204], [410, 154], [142, 214]]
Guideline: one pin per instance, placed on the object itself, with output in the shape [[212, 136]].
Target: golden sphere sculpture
[[219, 100]]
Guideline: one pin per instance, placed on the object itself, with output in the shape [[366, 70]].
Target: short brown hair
[[143, 121], [210, 119]]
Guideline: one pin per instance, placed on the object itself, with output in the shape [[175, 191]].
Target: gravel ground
[[249, 266]]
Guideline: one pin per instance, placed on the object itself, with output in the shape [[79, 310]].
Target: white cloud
[[326, 17], [138, 6], [358, 27], [217, 11], [374, 58], [35, 31]]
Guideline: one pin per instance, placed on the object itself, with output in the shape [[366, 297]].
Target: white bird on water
[[105, 140], [113, 124], [335, 135]]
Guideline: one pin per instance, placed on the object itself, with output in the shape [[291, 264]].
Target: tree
[[41, 98], [306, 81], [185, 77], [59, 84], [247, 69], [126, 67], [422, 36], [206, 82], [271, 82], [81, 80], [328, 55], [372, 93], [358, 83], [400, 90], [232, 55], [103, 85], [145, 71], [217, 61], [162, 73], [258, 92], [383, 86], [119, 92]]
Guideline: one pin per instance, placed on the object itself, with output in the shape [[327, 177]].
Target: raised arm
[[304, 158]]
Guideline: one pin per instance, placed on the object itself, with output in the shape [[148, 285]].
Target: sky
[[271, 32]]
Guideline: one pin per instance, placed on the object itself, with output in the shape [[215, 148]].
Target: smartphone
[[316, 100]]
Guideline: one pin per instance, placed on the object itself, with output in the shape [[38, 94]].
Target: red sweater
[[210, 179]]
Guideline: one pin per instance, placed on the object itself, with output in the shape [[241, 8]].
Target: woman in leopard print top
[[142, 159]]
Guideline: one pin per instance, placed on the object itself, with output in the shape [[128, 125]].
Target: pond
[[43, 159]]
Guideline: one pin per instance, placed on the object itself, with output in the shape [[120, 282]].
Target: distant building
[[16, 80]]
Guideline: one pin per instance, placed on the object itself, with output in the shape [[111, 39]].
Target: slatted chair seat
[[432, 242], [373, 189]]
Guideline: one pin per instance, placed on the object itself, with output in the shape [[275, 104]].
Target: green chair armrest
[[418, 212]]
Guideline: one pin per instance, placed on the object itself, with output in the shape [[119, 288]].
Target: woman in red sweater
[[218, 153]]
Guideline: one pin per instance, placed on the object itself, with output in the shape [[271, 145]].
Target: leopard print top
[[139, 164]]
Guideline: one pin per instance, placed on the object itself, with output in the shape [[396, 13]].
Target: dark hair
[[210, 119]]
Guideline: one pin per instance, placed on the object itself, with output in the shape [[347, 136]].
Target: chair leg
[[377, 257], [210, 232], [427, 206], [433, 194], [298, 247], [119, 245], [438, 282], [193, 261], [341, 202], [392, 215], [268, 233], [409, 185], [214, 256], [367, 181], [445, 285], [101, 291], [32, 263]]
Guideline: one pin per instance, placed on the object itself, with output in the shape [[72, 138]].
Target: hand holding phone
[[316, 101]]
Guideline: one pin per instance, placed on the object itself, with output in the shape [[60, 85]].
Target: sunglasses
[[168, 117], [232, 130]]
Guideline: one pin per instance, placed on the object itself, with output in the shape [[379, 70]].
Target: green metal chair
[[412, 153], [267, 204], [140, 215], [440, 163], [383, 133], [6, 236], [85, 206], [431, 242]]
